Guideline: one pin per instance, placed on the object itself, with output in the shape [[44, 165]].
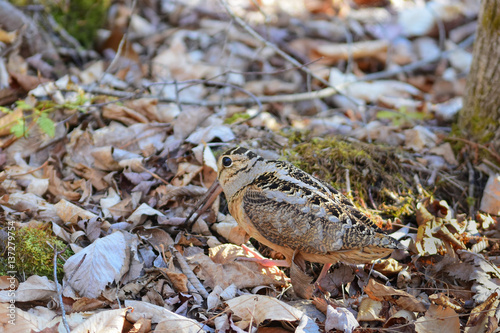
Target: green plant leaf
[[47, 125], [19, 129], [387, 115], [23, 105], [5, 110]]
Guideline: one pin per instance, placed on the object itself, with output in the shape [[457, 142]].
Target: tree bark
[[479, 119]]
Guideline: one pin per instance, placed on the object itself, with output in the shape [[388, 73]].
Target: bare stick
[[287, 98], [59, 291], [189, 273], [276, 49]]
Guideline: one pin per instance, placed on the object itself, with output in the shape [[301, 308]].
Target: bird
[[297, 214]]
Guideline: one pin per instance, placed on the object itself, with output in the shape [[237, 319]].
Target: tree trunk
[[479, 119]]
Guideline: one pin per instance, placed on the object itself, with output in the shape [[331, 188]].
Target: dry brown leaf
[[69, 212], [96, 177], [388, 267], [29, 202], [142, 325], [369, 310], [341, 319], [179, 280], [446, 151], [402, 317], [138, 216], [490, 203], [35, 288], [8, 282], [104, 261], [379, 292], [185, 173], [123, 114], [147, 107], [479, 318], [8, 120], [438, 319], [112, 321], [243, 274], [258, 308], [443, 300], [14, 320], [59, 188], [230, 230], [335, 52], [87, 304], [7, 36], [104, 159], [171, 322], [155, 236]]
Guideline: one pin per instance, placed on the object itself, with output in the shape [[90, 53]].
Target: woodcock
[[295, 213]]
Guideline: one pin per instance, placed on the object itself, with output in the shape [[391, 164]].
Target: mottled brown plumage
[[294, 213]]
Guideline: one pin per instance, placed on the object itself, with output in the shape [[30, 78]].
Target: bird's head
[[237, 167]]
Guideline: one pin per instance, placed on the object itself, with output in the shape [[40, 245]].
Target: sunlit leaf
[[5, 110], [23, 105], [387, 115], [47, 125], [19, 129]]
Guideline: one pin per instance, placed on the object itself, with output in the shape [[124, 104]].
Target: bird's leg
[[323, 273], [261, 260]]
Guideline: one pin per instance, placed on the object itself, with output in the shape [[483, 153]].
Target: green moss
[[491, 17], [236, 117], [80, 18], [471, 201], [33, 255]]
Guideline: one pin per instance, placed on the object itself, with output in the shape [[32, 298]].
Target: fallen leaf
[[106, 260], [340, 319], [438, 319], [379, 292], [258, 308]]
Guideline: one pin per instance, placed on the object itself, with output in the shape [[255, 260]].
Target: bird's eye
[[227, 161]]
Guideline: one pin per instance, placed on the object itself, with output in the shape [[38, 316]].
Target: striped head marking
[[237, 168]]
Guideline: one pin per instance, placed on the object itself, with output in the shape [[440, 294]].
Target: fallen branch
[[288, 98], [59, 291], [197, 285]]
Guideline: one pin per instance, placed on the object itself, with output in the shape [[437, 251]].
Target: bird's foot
[[261, 260]]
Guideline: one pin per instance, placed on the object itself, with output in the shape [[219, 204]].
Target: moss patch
[[33, 254]]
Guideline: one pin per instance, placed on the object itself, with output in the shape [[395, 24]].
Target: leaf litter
[[111, 152]]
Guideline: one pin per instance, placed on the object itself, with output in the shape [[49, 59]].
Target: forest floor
[[105, 152]]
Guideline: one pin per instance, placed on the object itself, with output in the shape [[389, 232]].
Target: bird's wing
[[285, 221]]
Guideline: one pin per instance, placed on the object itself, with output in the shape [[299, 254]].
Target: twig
[[59, 291], [417, 64], [212, 83], [177, 91], [276, 49], [478, 145], [471, 186], [286, 98], [31, 171], [189, 273], [347, 182], [323, 93], [154, 175]]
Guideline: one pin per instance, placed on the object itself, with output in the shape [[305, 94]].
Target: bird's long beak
[[205, 202]]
